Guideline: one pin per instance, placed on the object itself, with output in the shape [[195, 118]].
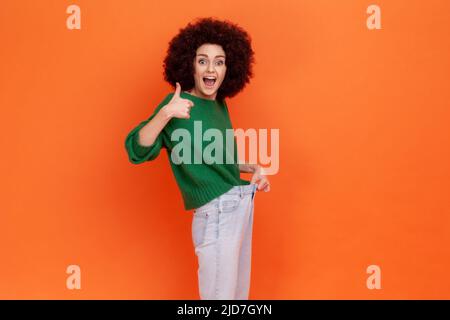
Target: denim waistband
[[243, 190], [236, 190]]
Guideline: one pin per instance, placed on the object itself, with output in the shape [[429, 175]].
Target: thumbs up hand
[[177, 106]]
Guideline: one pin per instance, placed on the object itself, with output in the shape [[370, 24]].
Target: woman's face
[[209, 70]]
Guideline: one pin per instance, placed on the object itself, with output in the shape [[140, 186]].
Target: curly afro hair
[[179, 62]]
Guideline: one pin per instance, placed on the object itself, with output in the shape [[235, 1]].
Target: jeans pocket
[[230, 203], [200, 221]]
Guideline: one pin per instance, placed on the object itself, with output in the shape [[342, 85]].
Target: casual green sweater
[[199, 183]]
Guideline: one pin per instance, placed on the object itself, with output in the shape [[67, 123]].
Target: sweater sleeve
[[138, 153]]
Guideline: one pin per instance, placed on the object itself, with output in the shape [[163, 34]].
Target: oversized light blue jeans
[[222, 237]]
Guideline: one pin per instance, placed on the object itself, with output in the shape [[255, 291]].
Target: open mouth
[[209, 81]]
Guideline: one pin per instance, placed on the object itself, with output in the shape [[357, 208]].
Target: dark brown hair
[[179, 62]]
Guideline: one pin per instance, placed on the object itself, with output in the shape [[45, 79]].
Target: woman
[[211, 60]]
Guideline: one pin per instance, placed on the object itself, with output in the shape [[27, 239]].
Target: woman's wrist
[[248, 167], [252, 168], [167, 113], [261, 170]]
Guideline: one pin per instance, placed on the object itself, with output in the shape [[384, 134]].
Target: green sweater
[[199, 183]]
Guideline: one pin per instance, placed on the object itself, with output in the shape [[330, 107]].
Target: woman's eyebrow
[[218, 56]]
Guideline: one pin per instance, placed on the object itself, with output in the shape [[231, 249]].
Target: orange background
[[364, 149]]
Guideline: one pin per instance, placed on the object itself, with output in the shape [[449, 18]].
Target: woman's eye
[[220, 62]]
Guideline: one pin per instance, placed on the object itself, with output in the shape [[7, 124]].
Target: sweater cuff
[[139, 149], [144, 151]]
